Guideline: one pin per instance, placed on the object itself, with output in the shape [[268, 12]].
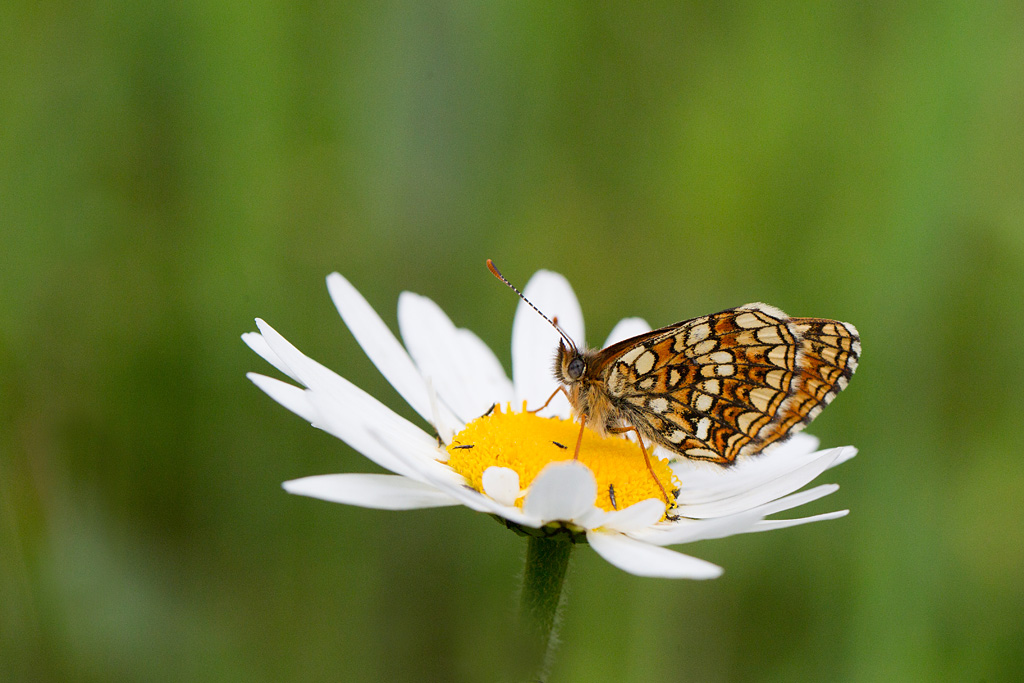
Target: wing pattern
[[731, 383]]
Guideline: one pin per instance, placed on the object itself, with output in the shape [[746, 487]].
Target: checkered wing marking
[[830, 353], [731, 383]]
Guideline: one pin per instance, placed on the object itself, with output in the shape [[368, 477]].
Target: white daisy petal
[[256, 342], [501, 484], [690, 530], [775, 524], [381, 346], [594, 518], [801, 442], [466, 374], [342, 409], [348, 422], [764, 491], [637, 516], [534, 340], [304, 403], [562, 491], [797, 499], [380, 491], [446, 480], [480, 502], [445, 431], [844, 455], [643, 559], [290, 396], [626, 329], [702, 483]]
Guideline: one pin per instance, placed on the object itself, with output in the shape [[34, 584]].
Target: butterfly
[[713, 388]]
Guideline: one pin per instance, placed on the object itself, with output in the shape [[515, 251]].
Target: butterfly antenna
[[494, 271]]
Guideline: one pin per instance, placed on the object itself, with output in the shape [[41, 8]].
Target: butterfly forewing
[[731, 383]]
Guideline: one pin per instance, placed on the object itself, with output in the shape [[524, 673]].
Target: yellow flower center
[[526, 443]]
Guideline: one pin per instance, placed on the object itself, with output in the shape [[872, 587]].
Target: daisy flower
[[483, 450]]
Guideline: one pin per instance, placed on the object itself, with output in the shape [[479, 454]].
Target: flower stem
[[547, 560]]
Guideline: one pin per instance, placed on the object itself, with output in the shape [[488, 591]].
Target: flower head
[[492, 456]]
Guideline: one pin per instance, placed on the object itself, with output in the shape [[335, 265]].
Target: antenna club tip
[[554, 323]]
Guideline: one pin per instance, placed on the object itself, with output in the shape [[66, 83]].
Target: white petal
[[702, 482], [305, 404], [346, 411], [562, 491], [256, 342], [380, 345], [637, 516], [801, 442], [445, 431], [379, 491], [773, 524], [626, 328], [454, 484], [642, 559], [593, 518], [797, 499], [847, 453], [352, 423], [463, 370], [290, 396], [762, 491], [501, 484], [689, 530], [534, 341]]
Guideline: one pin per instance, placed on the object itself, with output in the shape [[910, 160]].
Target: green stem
[[547, 560]]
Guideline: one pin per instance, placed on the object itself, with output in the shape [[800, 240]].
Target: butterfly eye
[[576, 367]]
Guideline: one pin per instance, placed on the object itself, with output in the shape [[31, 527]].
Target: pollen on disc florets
[[525, 443]]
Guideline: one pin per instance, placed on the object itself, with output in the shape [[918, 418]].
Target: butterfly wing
[[731, 383], [830, 354]]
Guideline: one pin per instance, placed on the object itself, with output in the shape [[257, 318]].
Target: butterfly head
[[570, 363]]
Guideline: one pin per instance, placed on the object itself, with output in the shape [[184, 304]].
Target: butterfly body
[[715, 387], [587, 392]]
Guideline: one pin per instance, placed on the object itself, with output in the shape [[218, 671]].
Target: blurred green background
[[169, 171]]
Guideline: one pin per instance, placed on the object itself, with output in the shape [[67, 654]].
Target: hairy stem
[[547, 560]]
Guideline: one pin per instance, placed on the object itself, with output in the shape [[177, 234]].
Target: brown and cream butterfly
[[713, 388]]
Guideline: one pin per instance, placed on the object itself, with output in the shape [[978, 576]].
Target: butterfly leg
[[579, 441], [550, 399], [647, 458]]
